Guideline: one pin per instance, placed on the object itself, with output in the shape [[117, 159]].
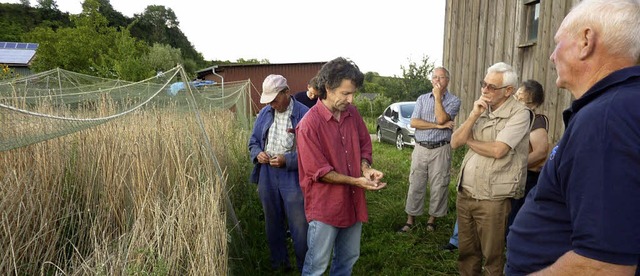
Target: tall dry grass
[[139, 195]]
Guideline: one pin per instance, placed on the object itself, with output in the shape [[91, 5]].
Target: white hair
[[446, 72], [615, 21], [509, 76]]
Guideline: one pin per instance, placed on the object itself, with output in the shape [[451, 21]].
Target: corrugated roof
[[221, 66]]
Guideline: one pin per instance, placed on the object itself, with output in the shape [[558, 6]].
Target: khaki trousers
[[434, 165], [481, 230]]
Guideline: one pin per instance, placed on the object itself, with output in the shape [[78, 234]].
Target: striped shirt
[[425, 110]]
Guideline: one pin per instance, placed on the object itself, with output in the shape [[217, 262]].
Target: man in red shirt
[[334, 157]]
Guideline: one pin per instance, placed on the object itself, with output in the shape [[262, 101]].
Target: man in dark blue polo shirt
[[583, 217], [309, 97]]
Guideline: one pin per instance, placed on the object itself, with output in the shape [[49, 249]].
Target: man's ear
[[587, 39]]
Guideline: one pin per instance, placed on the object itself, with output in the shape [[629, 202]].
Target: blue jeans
[[281, 196], [454, 238], [322, 238]]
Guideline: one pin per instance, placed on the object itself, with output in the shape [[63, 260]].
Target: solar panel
[[12, 56], [18, 45]]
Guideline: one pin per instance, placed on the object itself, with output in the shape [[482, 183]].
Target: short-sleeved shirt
[[540, 121], [425, 110], [586, 199], [325, 145]]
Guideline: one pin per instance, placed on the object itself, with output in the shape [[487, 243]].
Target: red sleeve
[[312, 163]]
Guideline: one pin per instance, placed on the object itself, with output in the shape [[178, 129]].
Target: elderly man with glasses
[[493, 170], [431, 158]]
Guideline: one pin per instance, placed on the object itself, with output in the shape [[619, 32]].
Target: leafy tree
[[415, 82], [10, 31], [417, 79], [128, 58], [163, 57], [153, 24], [158, 24], [371, 108], [48, 4], [79, 43], [25, 3], [115, 18], [18, 19], [372, 84], [373, 87], [91, 47], [394, 88]]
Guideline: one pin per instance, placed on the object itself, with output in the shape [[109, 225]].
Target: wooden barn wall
[[297, 75], [481, 33]]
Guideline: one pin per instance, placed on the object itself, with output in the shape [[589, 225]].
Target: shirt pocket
[[288, 142], [505, 177]]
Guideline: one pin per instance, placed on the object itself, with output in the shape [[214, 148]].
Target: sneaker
[[449, 247]]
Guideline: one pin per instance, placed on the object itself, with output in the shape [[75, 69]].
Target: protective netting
[[55, 103], [150, 155]]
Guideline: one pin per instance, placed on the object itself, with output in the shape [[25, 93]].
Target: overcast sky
[[379, 36]]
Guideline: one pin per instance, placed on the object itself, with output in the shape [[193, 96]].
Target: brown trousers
[[481, 230]]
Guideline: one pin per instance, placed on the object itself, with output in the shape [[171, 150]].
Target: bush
[[371, 108]]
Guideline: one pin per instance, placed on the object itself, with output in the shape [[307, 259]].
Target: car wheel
[[399, 141], [379, 135]]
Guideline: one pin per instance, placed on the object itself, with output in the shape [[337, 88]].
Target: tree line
[[103, 42]]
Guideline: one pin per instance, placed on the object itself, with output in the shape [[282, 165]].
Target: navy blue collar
[[600, 88]]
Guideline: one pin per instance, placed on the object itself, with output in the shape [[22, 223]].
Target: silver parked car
[[394, 125]]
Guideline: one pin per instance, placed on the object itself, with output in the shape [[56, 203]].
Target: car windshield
[[406, 110]]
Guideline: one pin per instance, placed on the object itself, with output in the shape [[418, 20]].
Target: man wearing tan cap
[[272, 147]]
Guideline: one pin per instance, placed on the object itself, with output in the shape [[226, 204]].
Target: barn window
[[532, 11]]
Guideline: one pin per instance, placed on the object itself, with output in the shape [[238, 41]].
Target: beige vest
[[502, 178]]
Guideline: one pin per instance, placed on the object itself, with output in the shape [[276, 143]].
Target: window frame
[[528, 17]]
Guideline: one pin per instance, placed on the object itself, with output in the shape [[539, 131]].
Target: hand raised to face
[[479, 106], [438, 90]]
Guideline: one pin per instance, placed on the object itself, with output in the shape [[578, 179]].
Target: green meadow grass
[[383, 251]]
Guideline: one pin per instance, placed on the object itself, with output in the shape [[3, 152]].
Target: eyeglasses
[[491, 86], [438, 78]]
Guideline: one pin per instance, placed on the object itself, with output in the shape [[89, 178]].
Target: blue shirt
[[425, 110], [586, 199]]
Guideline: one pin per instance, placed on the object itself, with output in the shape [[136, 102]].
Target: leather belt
[[433, 145]]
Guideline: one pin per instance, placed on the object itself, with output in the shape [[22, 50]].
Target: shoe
[[431, 227], [407, 227], [449, 247]]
